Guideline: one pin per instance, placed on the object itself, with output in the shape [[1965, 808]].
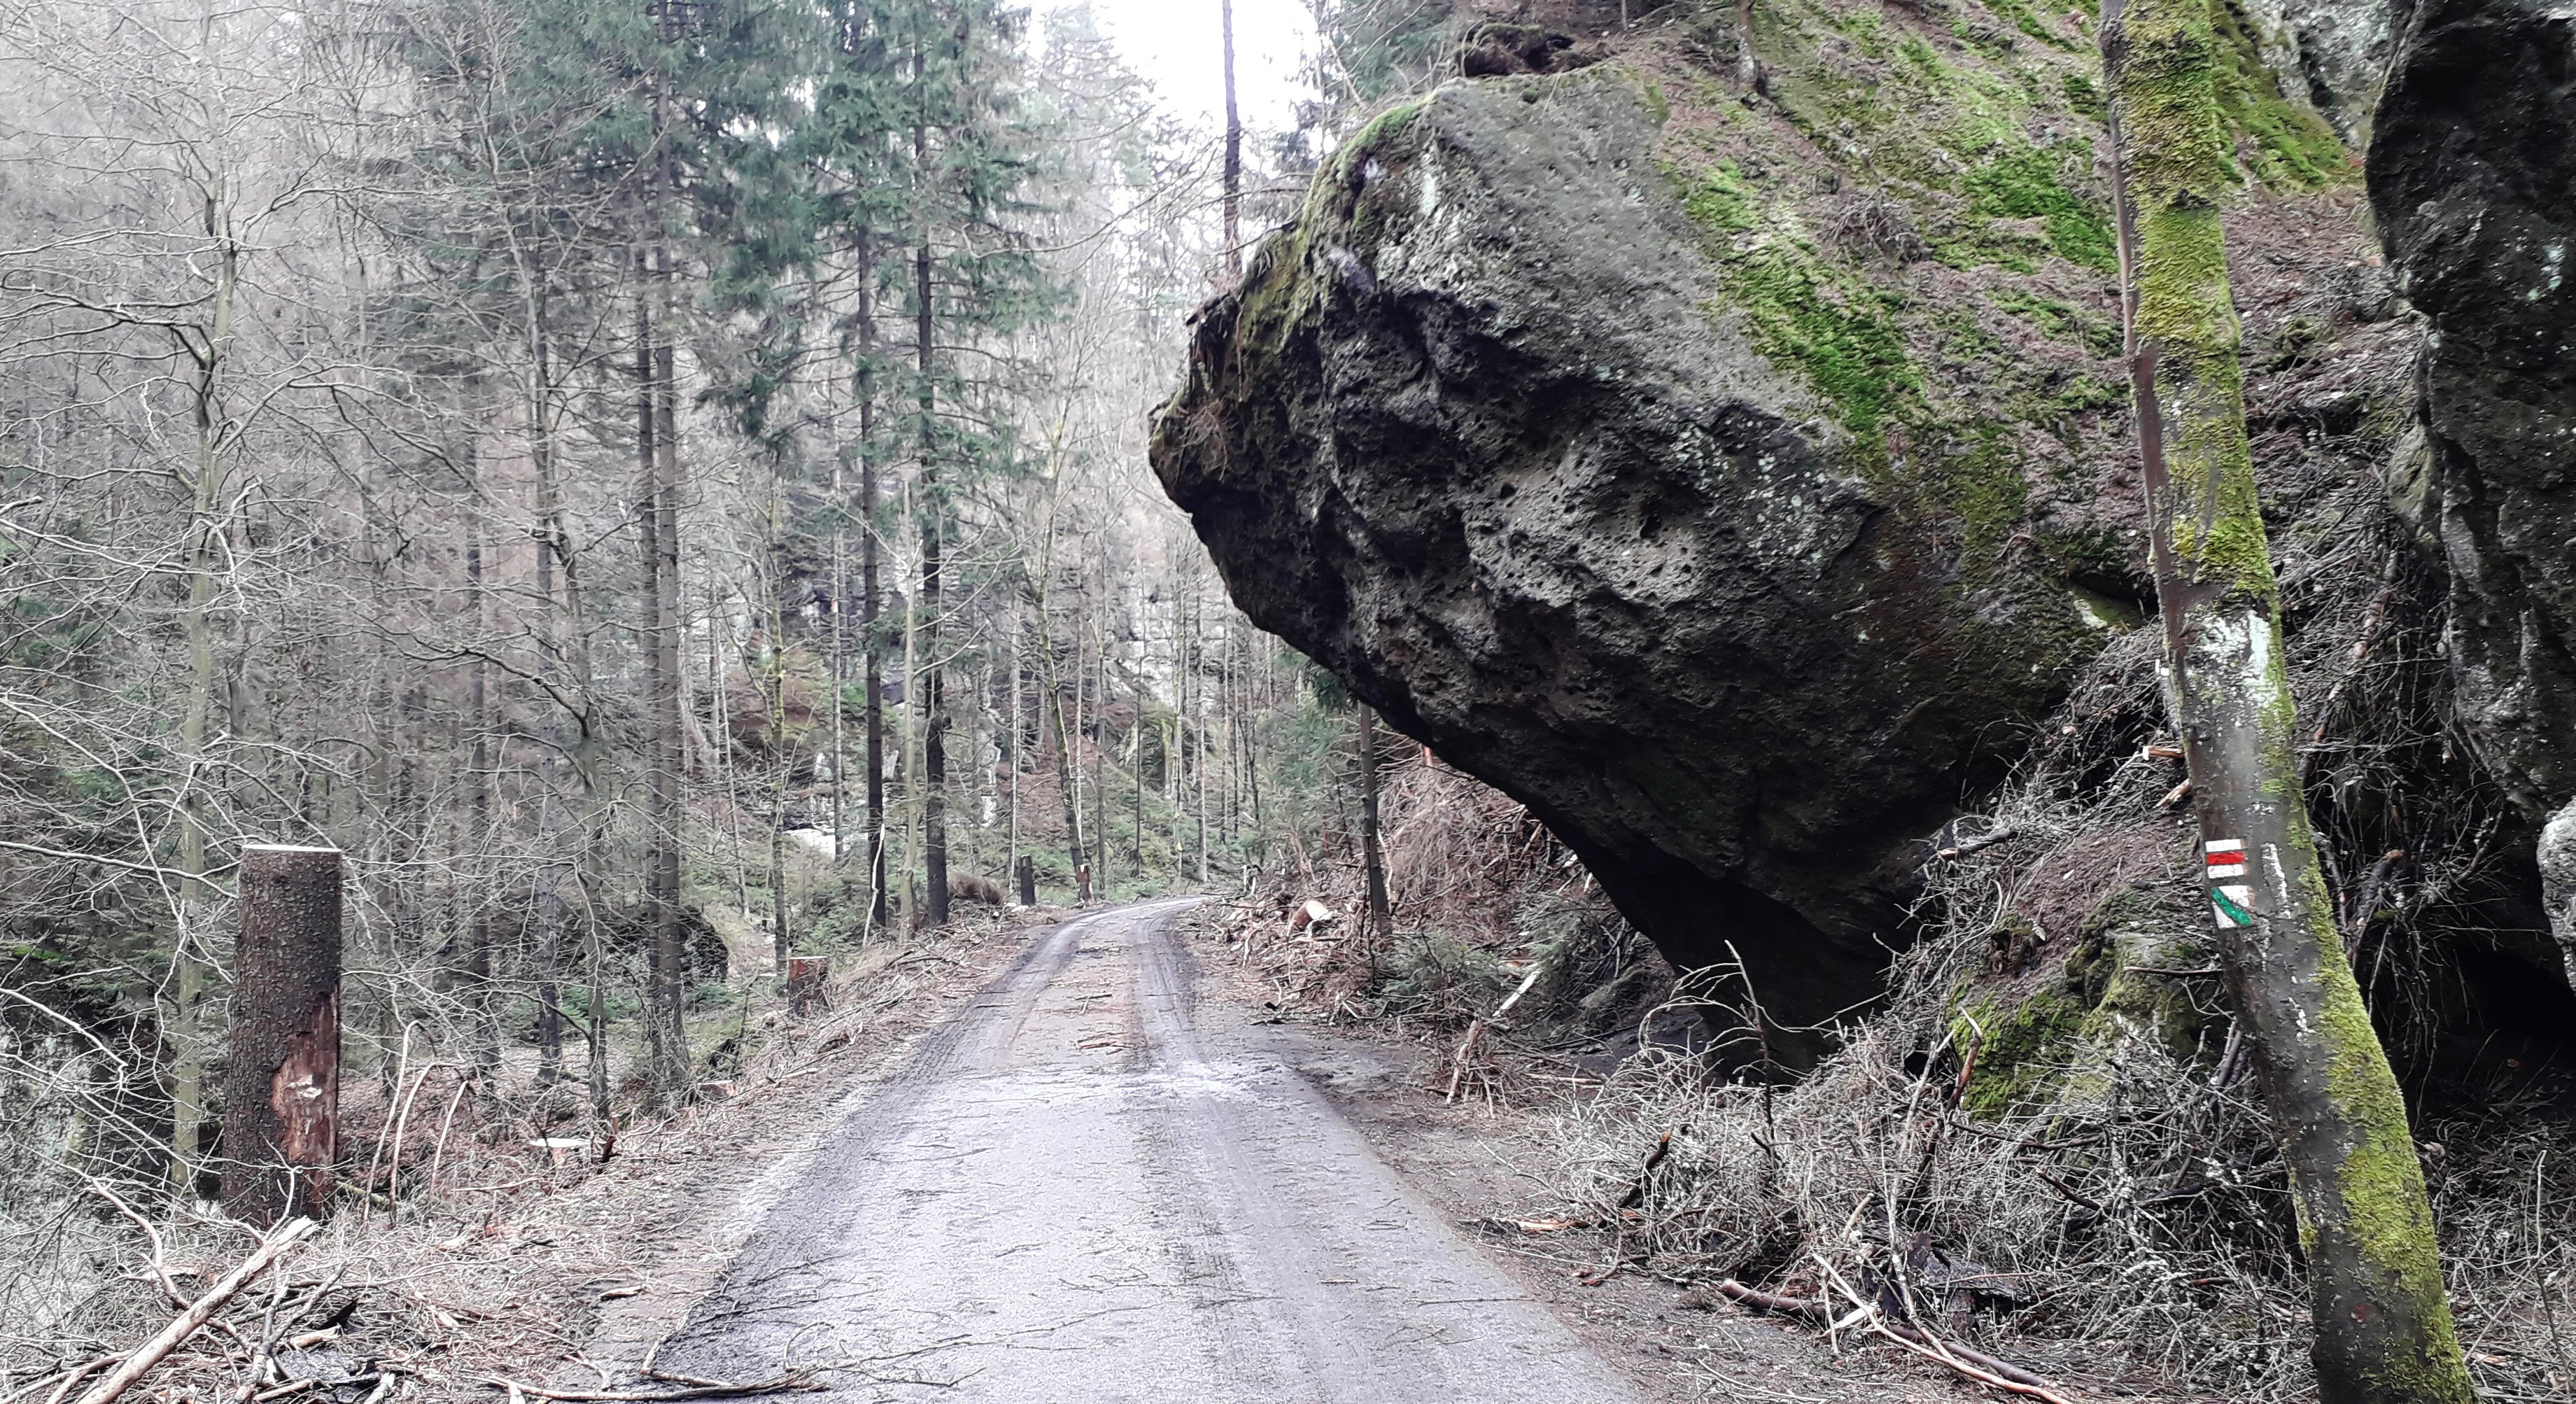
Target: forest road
[[1087, 1187]]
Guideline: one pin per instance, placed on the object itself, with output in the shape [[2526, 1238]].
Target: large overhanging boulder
[[1487, 433], [2473, 177]]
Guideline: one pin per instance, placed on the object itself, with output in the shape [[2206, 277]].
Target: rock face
[[1487, 436], [2473, 177], [2331, 52]]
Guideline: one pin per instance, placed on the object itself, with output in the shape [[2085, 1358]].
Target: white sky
[[1175, 44]]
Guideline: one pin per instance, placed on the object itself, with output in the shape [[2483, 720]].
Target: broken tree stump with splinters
[[281, 1126]]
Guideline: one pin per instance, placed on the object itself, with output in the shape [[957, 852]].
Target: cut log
[[281, 1126], [1309, 915]]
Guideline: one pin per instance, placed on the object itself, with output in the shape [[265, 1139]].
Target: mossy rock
[[1727, 477], [2021, 1053]]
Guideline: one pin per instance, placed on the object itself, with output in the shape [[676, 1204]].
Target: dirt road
[[1088, 1188]]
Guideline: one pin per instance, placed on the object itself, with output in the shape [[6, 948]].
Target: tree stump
[[281, 1120], [807, 987], [1028, 881]]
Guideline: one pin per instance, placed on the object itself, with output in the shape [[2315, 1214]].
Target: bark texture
[[282, 1080], [2383, 1325]]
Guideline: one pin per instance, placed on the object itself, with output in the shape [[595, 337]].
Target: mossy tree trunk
[[2383, 1325]]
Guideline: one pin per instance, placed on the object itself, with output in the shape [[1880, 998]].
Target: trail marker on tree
[[282, 1079]]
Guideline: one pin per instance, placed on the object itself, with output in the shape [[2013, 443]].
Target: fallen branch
[[1988, 839], [1476, 1027], [713, 1389], [2001, 1374], [63, 1383], [1769, 1301], [172, 1336], [1458, 1064], [1966, 1362], [1636, 1194]]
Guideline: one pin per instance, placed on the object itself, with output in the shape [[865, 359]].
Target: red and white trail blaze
[[2230, 904]]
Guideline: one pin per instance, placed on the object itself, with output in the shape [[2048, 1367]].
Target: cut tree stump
[[281, 1124], [806, 984]]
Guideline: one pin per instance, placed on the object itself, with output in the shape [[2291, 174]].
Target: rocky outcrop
[[1488, 434], [2473, 177], [1737, 474], [2332, 54]]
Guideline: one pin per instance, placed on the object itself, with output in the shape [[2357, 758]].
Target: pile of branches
[[251, 1333], [2142, 1203]]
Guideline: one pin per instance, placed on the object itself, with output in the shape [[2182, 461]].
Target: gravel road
[[1087, 1187]]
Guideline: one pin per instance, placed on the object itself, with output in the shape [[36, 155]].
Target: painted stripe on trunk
[[2232, 905]]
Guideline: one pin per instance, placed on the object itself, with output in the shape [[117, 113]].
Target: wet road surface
[[1086, 1187]]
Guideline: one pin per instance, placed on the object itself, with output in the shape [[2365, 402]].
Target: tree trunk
[[648, 526], [550, 653], [1381, 918], [1198, 736], [872, 649], [1012, 746], [934, 721], [1233, 150], [2383, 1326], [585, 745], [1064, 773], [668, 629], [781, 938], [484, 1030], [1100, 759], [838, 597], [657, 540], [205, 533], [282, 1073], [1136, 773]]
